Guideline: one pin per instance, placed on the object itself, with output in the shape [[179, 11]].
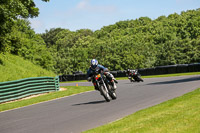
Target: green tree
[[10, 11], [50, 36], [140, 43]]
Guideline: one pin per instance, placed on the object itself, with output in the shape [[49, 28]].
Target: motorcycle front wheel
[[104, 92], [112, 93]]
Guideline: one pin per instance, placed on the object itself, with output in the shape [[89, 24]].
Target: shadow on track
[[94, 102], [176, 81], [133, 83]]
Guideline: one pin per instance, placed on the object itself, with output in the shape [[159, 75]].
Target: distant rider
[[133, 75], [95, 66], [130, 73]]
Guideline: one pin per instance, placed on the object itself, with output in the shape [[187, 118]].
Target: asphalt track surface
[[81, 112]]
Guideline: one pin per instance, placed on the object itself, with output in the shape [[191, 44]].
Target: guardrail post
[[57, 85]]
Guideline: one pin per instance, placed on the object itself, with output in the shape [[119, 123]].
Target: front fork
[[97, 84], [105, 85]]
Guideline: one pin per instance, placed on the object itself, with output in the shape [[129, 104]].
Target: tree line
[[139, 43]]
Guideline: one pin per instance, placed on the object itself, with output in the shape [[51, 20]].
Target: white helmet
[[93, 63]]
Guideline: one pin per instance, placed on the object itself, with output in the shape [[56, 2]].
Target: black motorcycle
[[134, 76], [104, 86]]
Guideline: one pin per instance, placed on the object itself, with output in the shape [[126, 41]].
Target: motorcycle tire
[[139, 79], [105, 94], [112, 93]]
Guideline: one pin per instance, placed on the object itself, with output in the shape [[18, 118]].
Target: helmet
[[93, 63]]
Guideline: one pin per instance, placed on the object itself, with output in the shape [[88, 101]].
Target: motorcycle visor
[[93, 66]]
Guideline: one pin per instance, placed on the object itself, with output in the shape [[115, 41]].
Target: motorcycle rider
[[133, 74], [129, 73], [95, 66]]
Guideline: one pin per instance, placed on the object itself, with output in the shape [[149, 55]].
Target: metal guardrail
[[17, 89]]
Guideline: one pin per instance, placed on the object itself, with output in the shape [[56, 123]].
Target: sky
[[95, 14]]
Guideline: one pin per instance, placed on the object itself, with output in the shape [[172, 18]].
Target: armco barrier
[[121, 73], [17, 89], [182, 68], [114, 73], [142, 71], [194, 67], [165, 69], [170, 69], [150, 71], [80, 76]]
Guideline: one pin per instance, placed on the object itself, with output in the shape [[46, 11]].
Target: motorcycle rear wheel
[[140, 79]]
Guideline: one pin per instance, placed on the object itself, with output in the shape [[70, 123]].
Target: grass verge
[[13, 67], [179, 115], [70, 90]]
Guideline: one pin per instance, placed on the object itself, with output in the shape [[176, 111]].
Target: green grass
[[179, 115], [13, 67], [49, 96]]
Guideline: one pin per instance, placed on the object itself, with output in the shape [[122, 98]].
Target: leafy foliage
[[139, 43], [24, 42], [10, 11]]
